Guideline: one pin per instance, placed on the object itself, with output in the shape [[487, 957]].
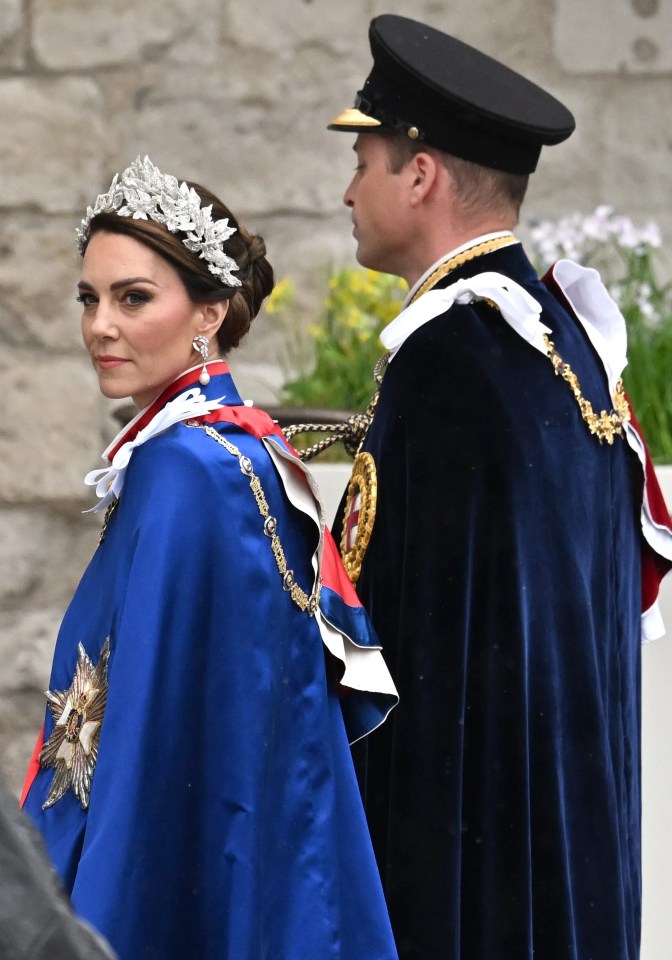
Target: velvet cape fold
[[504, 579]]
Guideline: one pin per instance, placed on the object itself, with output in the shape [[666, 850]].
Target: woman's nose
[[103, 324]]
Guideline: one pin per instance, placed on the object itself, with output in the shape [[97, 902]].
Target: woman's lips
[[108, 362]]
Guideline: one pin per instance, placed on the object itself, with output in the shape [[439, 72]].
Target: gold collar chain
[[607, 424], [604, 425]]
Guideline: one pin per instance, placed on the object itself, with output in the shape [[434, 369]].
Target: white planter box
[[657, 773]]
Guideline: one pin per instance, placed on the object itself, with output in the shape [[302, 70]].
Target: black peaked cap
[[434, 88]]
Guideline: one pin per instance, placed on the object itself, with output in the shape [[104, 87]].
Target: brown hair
[[247, 249], [476, 186]]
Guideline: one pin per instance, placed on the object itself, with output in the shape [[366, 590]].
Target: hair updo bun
[[247, 249], [256, 276]]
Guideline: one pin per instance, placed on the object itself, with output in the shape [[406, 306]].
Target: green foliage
[[338, 372], [648, 376]]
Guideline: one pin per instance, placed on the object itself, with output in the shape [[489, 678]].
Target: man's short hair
[[476, 187]]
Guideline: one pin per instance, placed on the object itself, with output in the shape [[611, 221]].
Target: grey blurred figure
[[36, 922]]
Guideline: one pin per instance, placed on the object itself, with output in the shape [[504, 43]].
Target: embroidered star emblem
[[72, 748]]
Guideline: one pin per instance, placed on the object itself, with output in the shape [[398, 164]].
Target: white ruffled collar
[[109, 481]]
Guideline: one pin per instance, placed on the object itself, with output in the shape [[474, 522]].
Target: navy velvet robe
[[503, 579]]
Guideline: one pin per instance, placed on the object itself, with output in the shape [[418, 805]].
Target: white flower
[[625, 233], [650, 235], [596, 226]]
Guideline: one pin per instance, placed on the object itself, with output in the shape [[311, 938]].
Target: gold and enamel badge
[[360, 513], [72, 748]]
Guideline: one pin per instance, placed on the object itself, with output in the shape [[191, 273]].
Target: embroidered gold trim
[[487, 246], [304, 601], [361, 500], [605, 425]]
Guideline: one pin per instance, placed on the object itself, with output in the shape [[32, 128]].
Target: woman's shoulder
[[189, 455], [200, 482]]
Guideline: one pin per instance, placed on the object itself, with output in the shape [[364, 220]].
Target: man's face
[[377, 198]]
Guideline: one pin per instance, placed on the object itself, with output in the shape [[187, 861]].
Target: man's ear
[[423, 172]]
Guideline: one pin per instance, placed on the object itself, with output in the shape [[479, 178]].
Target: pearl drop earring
[[200, 345]]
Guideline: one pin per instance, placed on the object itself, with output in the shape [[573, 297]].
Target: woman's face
[[138, 323]]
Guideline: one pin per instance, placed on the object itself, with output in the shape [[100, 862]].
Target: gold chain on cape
[[111, 507], [304, 601], [604, 425]]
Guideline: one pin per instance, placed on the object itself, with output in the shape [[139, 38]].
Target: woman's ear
[[210, 317]]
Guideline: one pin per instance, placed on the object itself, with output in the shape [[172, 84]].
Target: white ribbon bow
[[518, 308], [109, 481]]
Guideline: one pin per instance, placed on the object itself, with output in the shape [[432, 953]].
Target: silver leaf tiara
[[144, 193]]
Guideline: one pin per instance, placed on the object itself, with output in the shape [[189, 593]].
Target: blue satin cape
[[224, 820]]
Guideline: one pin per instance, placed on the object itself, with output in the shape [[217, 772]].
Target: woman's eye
[[134, 298], [86, 299]]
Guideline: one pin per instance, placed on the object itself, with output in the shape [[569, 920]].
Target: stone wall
[[236, 95]]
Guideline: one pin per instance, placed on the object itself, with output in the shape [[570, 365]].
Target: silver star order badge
[[72, 748]]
